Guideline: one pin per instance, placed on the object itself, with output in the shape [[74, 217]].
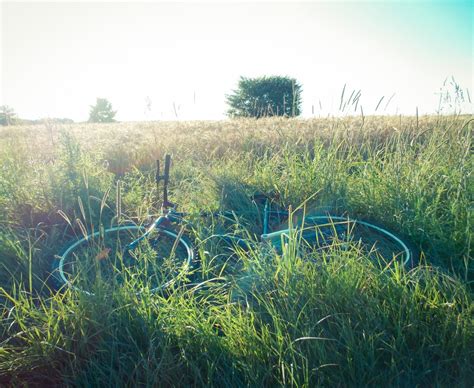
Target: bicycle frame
[[170, 215]]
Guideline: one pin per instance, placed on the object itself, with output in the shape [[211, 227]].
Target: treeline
[[9, 117], [53, 120]]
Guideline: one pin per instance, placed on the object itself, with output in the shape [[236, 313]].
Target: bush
[[265, 96], [7, 115], [102, 112]]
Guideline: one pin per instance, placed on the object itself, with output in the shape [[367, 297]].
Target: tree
[[7, 115], [265, 96], [102, 112]]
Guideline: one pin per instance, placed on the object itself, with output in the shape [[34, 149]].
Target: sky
[[165, 61]]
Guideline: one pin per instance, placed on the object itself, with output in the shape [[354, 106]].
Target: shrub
[[265, 96], [102, 112], [7, 115]]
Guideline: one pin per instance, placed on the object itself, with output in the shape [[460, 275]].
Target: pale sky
[[56, 58]]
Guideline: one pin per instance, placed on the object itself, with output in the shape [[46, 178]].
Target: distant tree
[[7, 115], [102, 112], [147, 105], [265, 96]]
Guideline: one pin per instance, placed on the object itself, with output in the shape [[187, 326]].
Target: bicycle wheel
[[333, 232], [105, 259]]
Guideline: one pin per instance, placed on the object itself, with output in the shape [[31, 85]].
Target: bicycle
[[162, 253]]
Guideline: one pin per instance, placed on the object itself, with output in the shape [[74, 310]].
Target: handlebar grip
[[157, 176], [166, 175]]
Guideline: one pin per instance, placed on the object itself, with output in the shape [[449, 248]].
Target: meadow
[[277, 319]]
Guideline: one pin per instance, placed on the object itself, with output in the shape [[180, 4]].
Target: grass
[[273, 319]]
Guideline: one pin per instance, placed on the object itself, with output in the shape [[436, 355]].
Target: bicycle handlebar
[[165, 177]]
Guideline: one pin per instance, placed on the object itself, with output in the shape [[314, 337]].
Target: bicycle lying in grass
[[162, 253]]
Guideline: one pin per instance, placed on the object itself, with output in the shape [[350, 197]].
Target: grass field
[[273, 319]]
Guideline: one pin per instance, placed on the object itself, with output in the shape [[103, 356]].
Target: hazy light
[[170, 60]]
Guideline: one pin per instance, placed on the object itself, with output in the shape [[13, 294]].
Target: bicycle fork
[[150, 229]]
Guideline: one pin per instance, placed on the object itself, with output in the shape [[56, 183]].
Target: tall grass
[[273, 319]]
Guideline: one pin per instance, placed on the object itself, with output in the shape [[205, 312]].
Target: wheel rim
[[183, 245], [329, 221]]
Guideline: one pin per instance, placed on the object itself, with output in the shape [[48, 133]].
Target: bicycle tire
[[156, 260], [324, 232]]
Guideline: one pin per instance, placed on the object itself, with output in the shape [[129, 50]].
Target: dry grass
[[282, 320]]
